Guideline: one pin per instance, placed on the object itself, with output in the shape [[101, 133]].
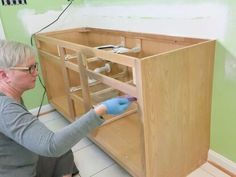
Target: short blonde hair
[[14, 53]]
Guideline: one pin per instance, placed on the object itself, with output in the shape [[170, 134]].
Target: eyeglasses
[[31, 69]]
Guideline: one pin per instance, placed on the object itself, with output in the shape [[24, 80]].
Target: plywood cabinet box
[[166, 132]]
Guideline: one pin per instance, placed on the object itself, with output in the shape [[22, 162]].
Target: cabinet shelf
[[61, 103], [123, 143], [98, 94]]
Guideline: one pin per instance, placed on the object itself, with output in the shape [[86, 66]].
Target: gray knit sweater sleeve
[[25, 129]]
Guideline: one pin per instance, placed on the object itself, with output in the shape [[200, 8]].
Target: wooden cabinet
[[166, 132]]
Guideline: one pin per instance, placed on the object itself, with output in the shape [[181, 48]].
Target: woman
[[27, 147]]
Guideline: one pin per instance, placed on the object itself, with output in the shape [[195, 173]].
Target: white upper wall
[[200, 20]]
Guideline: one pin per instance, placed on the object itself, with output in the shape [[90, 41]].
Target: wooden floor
[[85, 152]]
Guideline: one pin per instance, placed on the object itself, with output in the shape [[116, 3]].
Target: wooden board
[[177, 88]]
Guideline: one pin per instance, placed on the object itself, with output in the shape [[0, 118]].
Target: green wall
[[223, 131], [14, 30]]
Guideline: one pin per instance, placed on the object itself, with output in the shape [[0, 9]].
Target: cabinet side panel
[[177, 89]]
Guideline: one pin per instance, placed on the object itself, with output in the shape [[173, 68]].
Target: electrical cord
[[31, 38], [44, 92], [31, 42]]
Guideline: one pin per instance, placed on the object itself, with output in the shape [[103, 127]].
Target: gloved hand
[[116, 105]]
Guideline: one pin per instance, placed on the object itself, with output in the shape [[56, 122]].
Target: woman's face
[[23, 80]]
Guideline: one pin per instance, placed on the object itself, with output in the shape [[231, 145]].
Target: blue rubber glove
[[116, 105]]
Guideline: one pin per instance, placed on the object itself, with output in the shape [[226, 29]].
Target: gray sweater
[[23, 137]]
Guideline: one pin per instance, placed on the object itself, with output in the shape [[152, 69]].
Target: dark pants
[[56, 167]]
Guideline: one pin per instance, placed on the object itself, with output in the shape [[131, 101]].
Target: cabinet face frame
[[173, 88]]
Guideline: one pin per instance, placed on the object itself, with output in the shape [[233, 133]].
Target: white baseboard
[[44, 109], [222, 161]]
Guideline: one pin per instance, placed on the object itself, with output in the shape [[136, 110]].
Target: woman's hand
[[113, 106]]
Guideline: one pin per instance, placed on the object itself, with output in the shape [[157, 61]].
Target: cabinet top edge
[[132, 34]]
